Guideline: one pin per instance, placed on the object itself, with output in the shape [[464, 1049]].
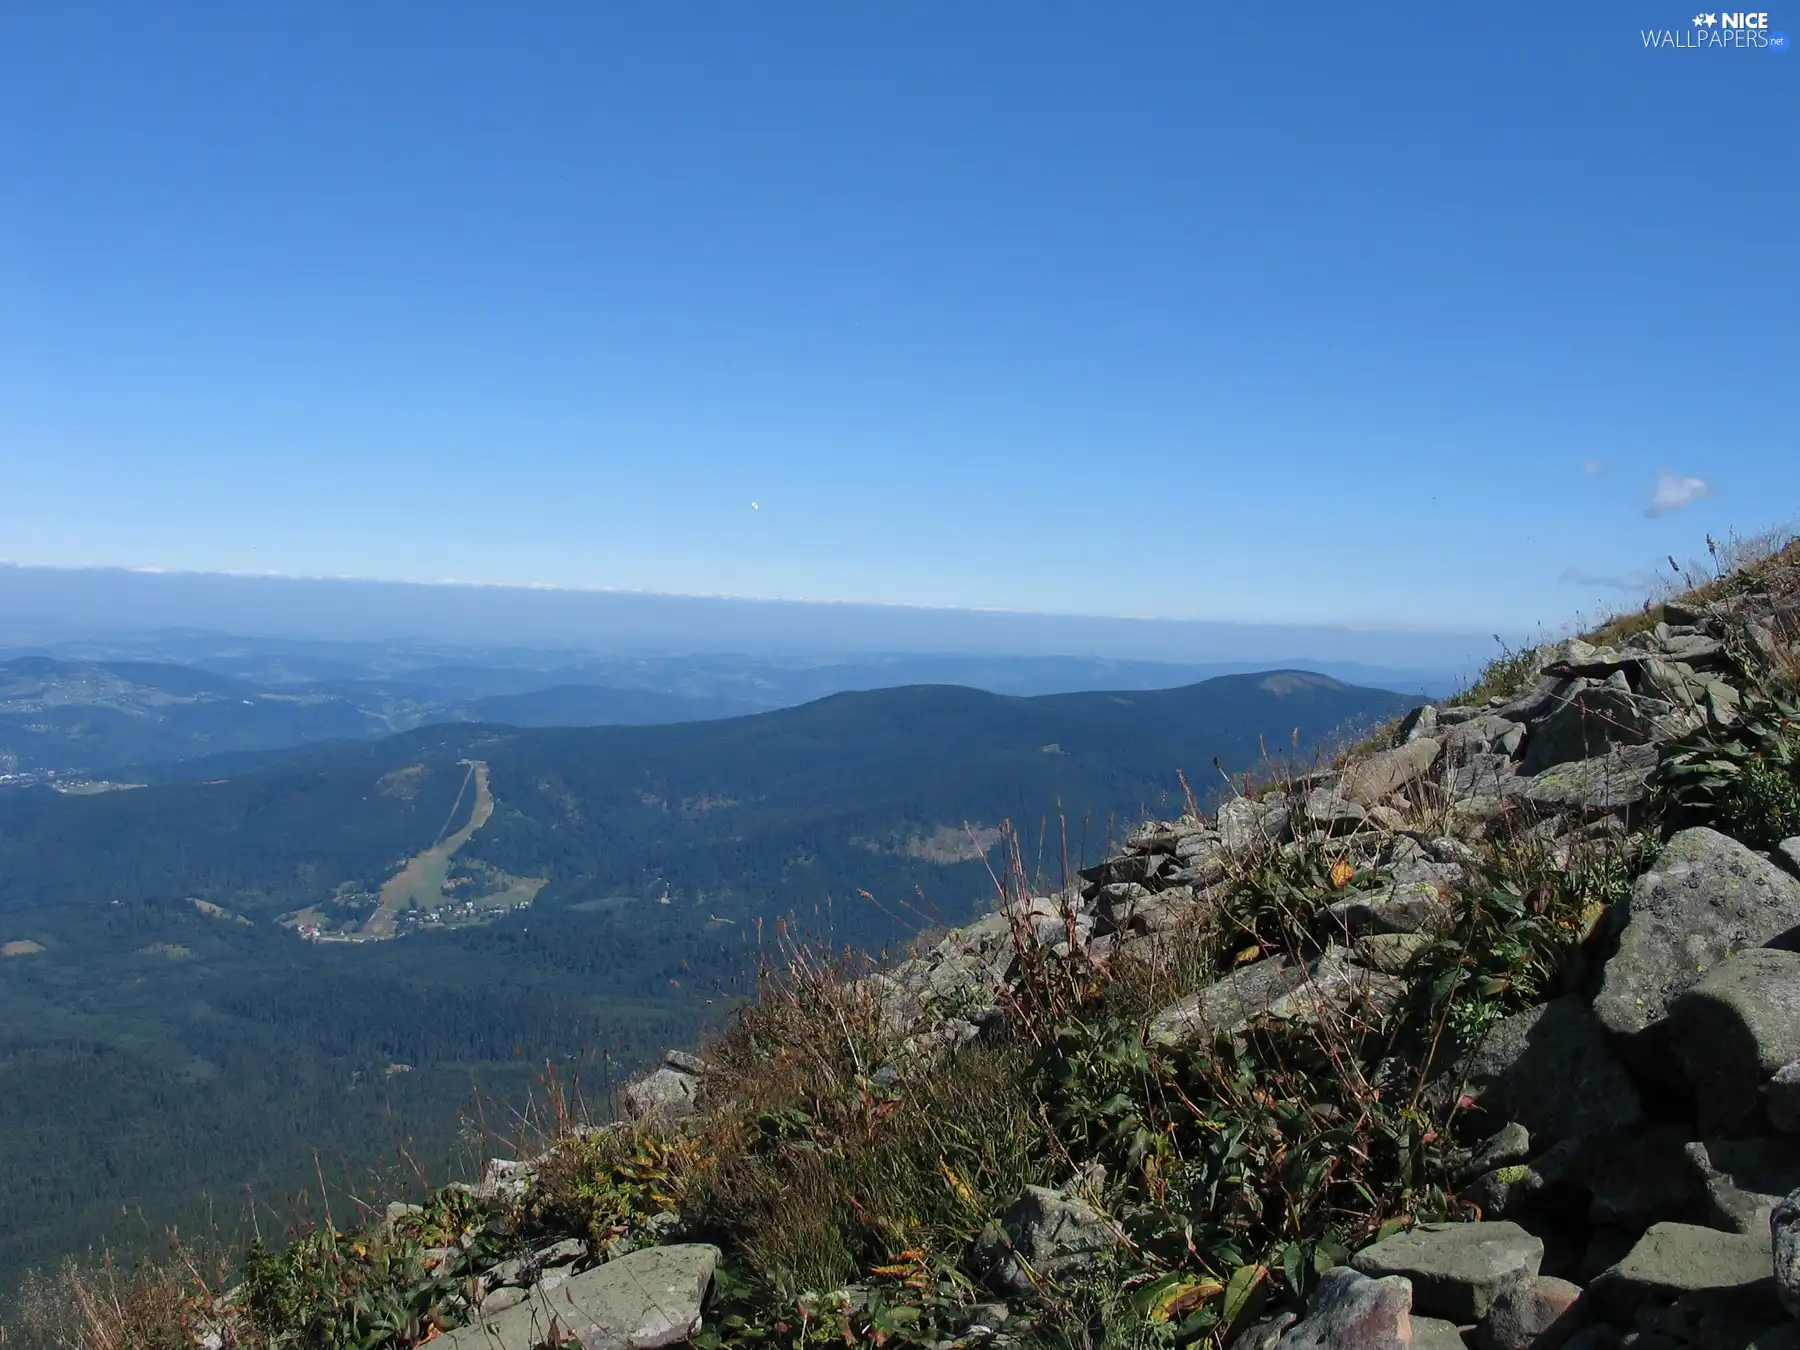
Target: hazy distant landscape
[[156, 933]]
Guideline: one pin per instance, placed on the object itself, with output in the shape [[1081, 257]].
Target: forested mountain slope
[[156, 1049]]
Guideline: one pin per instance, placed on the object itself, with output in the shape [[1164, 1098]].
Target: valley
[[655, 860]]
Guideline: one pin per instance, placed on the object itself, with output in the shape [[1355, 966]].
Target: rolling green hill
[[164, 1037]]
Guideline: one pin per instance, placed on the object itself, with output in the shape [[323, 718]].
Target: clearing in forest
[[421, 882]]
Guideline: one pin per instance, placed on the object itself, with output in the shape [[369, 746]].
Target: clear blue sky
[[1386, 313]]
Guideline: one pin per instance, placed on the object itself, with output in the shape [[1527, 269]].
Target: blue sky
[[1237, 312]]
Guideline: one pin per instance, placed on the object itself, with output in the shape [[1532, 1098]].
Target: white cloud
[[1674, 491], [1623, 581], [1593, 468]]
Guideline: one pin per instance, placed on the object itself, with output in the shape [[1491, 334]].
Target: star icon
[[1699, 20]]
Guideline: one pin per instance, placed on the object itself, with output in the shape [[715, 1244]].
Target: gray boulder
[[1407, 907], [1044, 1234], [1735, 1029], [1706, 897], [666, 1095], [1350, 1311], [1784, 1244], [1318, 991], [642, 1301], [1384, 773], [1247, 825], [1682, 1261], [1609, 782], [1550, 1069], [1456, 1269], [1538, 1312], [1590, 723]]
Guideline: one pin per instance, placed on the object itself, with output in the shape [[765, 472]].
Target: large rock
[[1317, 991], [1679, 1260], [666, 1095], [1590, 723], [1247, 826], [1456, 1269], [1382, 774], [644, 1300], [1538, 1312], [1784, 1243], [1407, 907], [1043, 1235], [1609, 782], [1550, 1069], [1735, 1029], [1706, 897], [1350, 1311]]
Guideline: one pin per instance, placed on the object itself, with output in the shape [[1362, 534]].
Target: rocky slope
[[1486, 1035]]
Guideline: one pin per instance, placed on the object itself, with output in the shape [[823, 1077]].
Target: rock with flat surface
[[1434, 1333], [643, 1301], [1350, 1311], [1706, 897], [1550, 1069], [1539, 1312], [1735, 1029], [1382, 774], [1679, 1260], [1279, 987], [1590, 723], [1407, 907], [1456, 1269]]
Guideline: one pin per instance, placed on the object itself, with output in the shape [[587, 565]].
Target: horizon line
[[540, 587]]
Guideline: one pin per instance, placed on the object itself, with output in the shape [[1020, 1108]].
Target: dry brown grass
[[160, 1304]]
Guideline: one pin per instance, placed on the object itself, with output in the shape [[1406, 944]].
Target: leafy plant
[[1743, 778]]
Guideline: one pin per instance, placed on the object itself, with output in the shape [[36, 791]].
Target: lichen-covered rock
[[1706, 897], [1607, 782], [1408, 907], [1550, 1069], [1314, 992], [666, 1095], [1735, 1029], [1456, 1269], [1350, 1311], [1043, 1235], [642, 1301]]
